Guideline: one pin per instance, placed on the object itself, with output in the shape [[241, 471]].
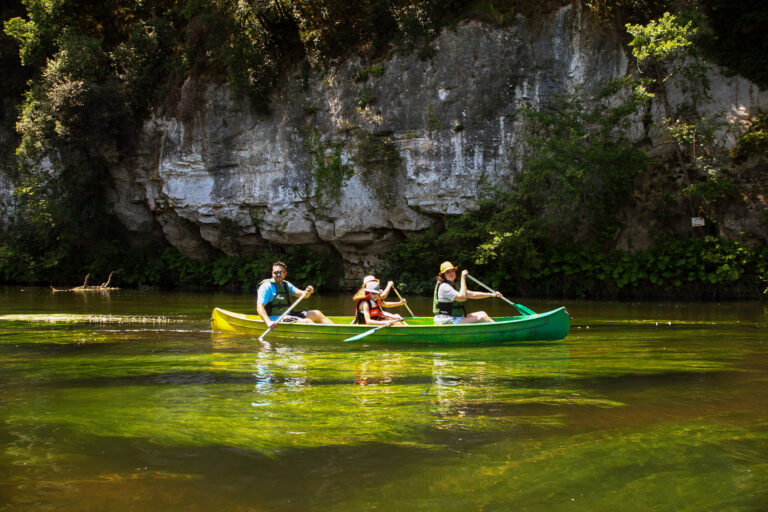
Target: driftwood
[[85, 287]]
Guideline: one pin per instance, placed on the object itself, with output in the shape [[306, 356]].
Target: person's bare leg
[[316, 316], [476, 317]]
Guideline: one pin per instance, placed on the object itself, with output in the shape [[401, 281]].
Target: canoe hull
[[549, 326]]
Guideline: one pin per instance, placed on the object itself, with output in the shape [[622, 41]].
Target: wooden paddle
[[371, 331], [522, 309], [401, 299], [304, 294]]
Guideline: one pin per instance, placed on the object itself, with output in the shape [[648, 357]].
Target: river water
[[127, 401]]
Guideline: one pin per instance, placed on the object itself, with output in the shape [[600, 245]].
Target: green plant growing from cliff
[[365, 98], [666, 49], [376, 71], [363, 74], [329, 173], [380, 162], [433, 122], [754, 141]]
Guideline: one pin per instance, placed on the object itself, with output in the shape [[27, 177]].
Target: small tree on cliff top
[[665, 50]]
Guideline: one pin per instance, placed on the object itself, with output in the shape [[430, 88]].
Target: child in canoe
[[370, 304]]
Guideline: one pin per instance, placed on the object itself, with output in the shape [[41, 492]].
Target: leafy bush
[[755, 141], [578, 172], [673, 267]]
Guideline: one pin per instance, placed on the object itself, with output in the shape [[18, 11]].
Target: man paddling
[[274, 298]]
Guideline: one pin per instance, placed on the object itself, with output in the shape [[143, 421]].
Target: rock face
[[8, 143], [354, 163]]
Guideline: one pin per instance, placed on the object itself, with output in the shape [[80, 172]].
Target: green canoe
[[549, 326]]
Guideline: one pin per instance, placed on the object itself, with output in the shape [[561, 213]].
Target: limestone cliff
[[408, 144]]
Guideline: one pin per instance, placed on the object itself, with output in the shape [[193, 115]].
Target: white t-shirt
[[446, 293]]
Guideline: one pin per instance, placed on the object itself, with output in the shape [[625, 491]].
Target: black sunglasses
[[278, 272]]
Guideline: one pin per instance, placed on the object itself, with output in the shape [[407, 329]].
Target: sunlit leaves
[[24, 32], [663, 39]]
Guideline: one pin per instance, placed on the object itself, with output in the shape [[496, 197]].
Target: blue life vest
[[282, 300]]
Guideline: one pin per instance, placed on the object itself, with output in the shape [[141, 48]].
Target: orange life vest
[[374, 309]]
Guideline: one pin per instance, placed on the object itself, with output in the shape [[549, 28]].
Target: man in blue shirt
[[274, 298]]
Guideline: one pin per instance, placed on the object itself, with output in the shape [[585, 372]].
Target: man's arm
[[298, 293], [261, 300], [264, 316]]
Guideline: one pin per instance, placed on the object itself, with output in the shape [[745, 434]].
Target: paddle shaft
[[304, 294], [366, 333], [401, 299], [522, 308]]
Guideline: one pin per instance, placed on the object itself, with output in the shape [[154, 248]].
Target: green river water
[[127, 401]]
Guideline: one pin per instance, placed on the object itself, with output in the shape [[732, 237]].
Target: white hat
[[368, 279], [372, 286]]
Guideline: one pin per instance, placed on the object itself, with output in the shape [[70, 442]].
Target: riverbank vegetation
[[96, 71]]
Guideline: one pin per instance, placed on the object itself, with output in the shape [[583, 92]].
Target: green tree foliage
[[666, 49], [579, 170], [77, 119], [677, 266]]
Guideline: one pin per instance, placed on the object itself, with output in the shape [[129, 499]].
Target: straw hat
[[446, 266]]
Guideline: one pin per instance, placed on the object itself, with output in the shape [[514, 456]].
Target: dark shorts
[[293, 316]]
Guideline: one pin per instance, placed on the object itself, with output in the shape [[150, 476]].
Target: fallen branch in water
[[85, 287]]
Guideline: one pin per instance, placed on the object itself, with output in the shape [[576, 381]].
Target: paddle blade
[[362, 335], [524, 310]]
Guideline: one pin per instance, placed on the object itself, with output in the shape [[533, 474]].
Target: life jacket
[[374, 309], [454, 308], [282, 300]]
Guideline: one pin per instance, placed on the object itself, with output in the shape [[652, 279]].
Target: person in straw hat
[[370, 304], [448, 302]]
